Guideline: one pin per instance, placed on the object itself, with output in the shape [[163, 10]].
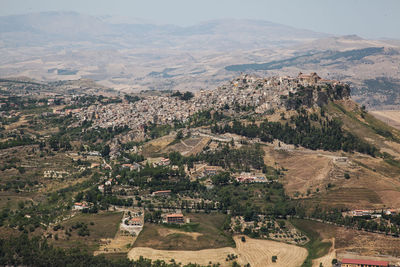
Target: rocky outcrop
[[317, 95]]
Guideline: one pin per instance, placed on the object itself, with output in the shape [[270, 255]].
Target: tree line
[[24, 251], [326, 134]]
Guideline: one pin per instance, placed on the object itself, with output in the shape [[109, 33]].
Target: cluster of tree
[[248, 200], [20, 103], [83, 101], [242, 158], [18, 141], [326, 135], [82, 227], [57, 142], [359, 222], [20, 183], [55, 120], [131, 99], [205, 117], [105, 134], [131, 157], [185, 96], [159, 178], [28, 216], [101, 200], [157, 130], [9, 120], [153, 216], [221, 178], [22, 251]]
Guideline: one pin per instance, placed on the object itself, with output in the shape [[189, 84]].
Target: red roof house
[[363, 263]]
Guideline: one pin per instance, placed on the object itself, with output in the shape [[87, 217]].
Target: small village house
[[391, 212], [210, 170], [80, 206], [134, 222], [361, 213], [101, 188], [175, 218], [164, 162]]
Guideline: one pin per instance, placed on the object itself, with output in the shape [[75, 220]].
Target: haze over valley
[[134, 56]]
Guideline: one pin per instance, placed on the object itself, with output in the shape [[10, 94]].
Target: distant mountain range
[[42, 28], [136, 55]]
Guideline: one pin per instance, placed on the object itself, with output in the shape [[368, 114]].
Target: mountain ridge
[[68, 25]]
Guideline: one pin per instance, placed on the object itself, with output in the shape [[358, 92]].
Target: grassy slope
[[208, 225], [316, 247], [343, 197], [105, 226], [367, 127]]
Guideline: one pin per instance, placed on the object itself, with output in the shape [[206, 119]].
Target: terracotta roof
[[367, 262]]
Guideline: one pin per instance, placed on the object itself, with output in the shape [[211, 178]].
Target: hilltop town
[[262, 94]]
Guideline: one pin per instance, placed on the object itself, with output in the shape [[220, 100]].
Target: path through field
[[326, 260], [256, 252]]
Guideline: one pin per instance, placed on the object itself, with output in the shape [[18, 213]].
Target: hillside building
[[361, 213], [80, 205], [134, 222], [210, 170], [175, 218], [363, 263], [308, 79]]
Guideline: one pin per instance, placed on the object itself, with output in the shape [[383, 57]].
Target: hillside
[[252, 157]]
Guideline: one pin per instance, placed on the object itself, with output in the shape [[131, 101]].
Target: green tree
[[105, 151], [179, 135]]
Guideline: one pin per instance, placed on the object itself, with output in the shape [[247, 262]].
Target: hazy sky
[[367, 18]]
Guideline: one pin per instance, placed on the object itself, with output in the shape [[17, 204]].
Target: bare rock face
[[320, 98], [315, 95], [275, 92]]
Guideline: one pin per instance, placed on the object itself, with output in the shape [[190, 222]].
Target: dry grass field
[[167, 144], [119, 244], [260, 252], [352, 197], [305, 171], [204, 232], [256, 252], [155, 147], [326, 260], [391, 117], [11, 199], [202, 257], [359, 243], [373, 182], [101, 225]]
